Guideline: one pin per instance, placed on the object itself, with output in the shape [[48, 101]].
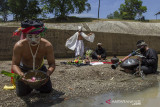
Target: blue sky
[[109, 6]]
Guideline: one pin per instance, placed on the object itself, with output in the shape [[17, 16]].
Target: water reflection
[[147, 98]]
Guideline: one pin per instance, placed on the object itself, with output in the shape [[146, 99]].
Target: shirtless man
[[75, 42], [28, 55], [79, 50]]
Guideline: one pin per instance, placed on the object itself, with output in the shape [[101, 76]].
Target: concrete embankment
[[118, 37]]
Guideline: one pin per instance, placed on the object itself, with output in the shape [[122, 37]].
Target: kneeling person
[[100, 53], [28, 54], [150, 62]]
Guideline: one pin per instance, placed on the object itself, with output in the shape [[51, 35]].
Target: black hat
[[35, 23], [141, 43]]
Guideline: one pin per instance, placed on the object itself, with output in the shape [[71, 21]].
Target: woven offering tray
[[35, 79]]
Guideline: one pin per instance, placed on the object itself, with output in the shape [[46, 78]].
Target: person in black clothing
[[100, 53], [150, 61]]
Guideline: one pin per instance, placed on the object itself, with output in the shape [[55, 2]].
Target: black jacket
[[151, 59], [101, 52]]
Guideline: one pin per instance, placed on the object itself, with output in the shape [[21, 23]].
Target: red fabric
[[16, 34], [107, 62], [104, 62], [26, 30], [12, 77]]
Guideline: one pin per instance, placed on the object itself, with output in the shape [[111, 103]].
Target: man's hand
[[99, 57], [21, 74], [46, 81], [49, 73], [50, 59], [139, 58], [90, 34]]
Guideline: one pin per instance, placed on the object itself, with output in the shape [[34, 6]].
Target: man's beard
[[99, 47], [142, 50]]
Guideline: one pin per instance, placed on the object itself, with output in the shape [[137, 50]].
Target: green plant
[[15, 76]]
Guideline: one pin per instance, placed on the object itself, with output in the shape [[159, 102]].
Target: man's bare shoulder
[[46, 42], [21, 43]]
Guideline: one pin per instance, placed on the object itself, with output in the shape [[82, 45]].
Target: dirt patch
[[70, 81]]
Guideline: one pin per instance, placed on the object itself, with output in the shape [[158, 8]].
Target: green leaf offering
[[15, 76]]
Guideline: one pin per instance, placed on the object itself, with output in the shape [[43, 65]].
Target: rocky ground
[[70, 81]]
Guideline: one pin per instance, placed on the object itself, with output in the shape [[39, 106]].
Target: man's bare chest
[[28, 54], [80, 37]]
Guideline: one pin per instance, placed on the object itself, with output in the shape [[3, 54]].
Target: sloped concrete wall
[[6, 42], [114, 43]]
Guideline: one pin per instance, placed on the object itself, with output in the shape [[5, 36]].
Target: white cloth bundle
[[72, 41]]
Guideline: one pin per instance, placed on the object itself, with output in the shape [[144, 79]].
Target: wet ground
[[89, 86], [147, 98]]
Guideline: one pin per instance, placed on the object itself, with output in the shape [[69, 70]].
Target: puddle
[[147, 98]]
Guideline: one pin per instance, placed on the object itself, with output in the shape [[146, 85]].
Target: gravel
[[70, 81]]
